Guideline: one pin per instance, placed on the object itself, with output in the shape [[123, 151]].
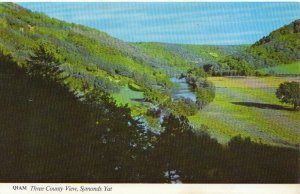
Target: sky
[[185, 23]]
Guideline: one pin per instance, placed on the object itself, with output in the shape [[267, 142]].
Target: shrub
[[204, 96], [184, 106]]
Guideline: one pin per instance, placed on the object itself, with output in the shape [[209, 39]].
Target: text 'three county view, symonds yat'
[[150, 92]]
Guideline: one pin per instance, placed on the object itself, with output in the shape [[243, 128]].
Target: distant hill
[[282, 46], [223, 60]]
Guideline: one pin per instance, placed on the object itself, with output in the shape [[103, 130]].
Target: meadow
[[290, 69], [247, 106]]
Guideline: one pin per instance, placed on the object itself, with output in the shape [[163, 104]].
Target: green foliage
[[289, 92], [77, 136], [69, 140], [184, 106], [196, 73], [181, 155], [24, 32], [43, 63], [237, 66], [134, 87], [281, 46], [204, 96], [195, 77], [253, 160], [171, 60], [156, 96]]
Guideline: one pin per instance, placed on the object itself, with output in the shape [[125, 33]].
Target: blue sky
[[188, 23]]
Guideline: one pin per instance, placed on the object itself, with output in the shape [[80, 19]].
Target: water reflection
[[182, 89]]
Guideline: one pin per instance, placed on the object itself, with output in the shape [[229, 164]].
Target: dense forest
[[63, 117]]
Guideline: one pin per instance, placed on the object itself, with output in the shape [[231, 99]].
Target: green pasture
[[247, 106], [128, 96], [289, 69]]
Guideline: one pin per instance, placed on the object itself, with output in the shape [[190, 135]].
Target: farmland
[[293, 68], [247, 106]]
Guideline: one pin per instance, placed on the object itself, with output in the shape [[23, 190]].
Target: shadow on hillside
[[263, 105], [139, 99]]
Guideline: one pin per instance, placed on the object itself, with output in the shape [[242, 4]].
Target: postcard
[[153, 97]]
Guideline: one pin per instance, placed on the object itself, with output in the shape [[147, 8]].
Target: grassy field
[[247, 106], [293, 68], [128, 96]]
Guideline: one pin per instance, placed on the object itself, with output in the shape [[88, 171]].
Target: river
[[182, 89]]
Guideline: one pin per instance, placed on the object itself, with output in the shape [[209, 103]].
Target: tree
[[208, 68], [44, 64], [289, 92], [182, 154], [121, 140], [204, 96], [168, 152], [105, 136]]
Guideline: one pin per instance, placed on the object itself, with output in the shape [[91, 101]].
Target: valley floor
[[247, 106], [290, 69]]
